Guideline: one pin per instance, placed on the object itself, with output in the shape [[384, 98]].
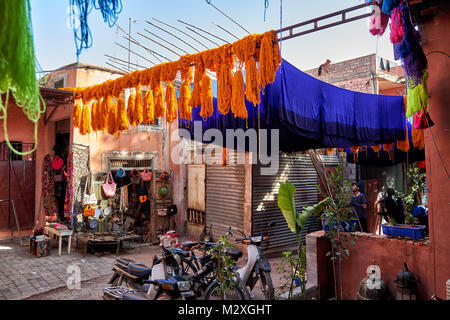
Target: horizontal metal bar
[[293, 35], [340, 12]]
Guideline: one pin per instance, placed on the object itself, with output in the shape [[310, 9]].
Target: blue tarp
[[312, 114]]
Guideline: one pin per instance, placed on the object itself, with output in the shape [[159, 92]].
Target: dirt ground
[[93, 289]]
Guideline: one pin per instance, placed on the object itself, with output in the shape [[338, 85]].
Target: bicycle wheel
[[266, 285], [234, 292]]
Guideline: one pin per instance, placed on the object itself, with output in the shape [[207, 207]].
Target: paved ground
[[23, 276]]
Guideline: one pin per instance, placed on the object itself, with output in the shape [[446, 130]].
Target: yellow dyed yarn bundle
[[206, 98], [76, 115], [85, 123], [160, 108], [130, 109], [238, 99], [149, 108], [122, 119], [171, 102], [138, 116]]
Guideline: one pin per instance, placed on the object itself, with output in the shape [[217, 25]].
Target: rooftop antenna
[[223, 13], [211, 34], [175, 35], [183, 32]]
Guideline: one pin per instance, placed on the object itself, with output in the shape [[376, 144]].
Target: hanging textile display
[[81, 174], [68, 201], [259, 55], [17, 66], [48, 190]]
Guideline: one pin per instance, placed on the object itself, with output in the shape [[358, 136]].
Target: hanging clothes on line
[[48, 190]]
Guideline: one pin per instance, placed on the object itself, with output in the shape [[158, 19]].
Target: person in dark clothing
[[359, 204], [391, 205]]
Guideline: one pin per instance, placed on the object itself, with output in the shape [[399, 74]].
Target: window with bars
[[6, 153]]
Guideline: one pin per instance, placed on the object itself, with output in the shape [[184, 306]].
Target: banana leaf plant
[[296, 221]]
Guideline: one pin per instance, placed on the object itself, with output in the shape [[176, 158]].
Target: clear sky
[[54, 41]]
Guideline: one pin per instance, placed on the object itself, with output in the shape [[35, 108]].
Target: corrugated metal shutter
[[298, 169], [224, 198]]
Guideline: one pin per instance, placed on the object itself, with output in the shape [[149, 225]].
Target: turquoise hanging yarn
[[17, 66]]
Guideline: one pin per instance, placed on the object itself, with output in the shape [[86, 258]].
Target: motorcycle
[[135, 274], [257, 267]]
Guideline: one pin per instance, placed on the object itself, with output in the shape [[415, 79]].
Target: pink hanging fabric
[[378, 21], [397, 27]]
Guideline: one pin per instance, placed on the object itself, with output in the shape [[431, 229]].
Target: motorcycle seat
[[123, 263], [234, 253], [139, 270], [181, 252], [189, 244], [136, 296]]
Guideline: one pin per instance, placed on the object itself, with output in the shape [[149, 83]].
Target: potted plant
[[339, 211], [410, 228]]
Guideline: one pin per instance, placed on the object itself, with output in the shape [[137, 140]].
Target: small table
[[60, 234]]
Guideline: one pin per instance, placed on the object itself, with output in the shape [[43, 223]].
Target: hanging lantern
[[373, 287], [406, 284]]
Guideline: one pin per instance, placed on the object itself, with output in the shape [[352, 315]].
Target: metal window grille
[[6, 153]]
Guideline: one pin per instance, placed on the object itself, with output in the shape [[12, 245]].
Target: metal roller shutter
[[224, 198], [298, 169]]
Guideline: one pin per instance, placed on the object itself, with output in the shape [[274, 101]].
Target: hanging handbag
[[422, 120], [135, 176], [109, 188], [89, 198], [120, 173], [146, 175]]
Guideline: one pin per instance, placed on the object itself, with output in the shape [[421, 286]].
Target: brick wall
[[352, 74]]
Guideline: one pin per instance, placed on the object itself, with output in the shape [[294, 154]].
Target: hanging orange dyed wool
[[122, 119], [196, 97], [184, 101], [94, 116], [130, 109], [171, 101], [107, 101], [85, 123], [149, 108], [418, 138], [376, 148], [387, 146], [160, 108], [238, 98], [112, 118], [269, 59], [404, 144], [207, 98], [138, 116], [76, 115], [251, 82]]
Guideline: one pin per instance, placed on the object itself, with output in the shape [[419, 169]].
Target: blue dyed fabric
[[312, 114], [389, 6], [383, 158]]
